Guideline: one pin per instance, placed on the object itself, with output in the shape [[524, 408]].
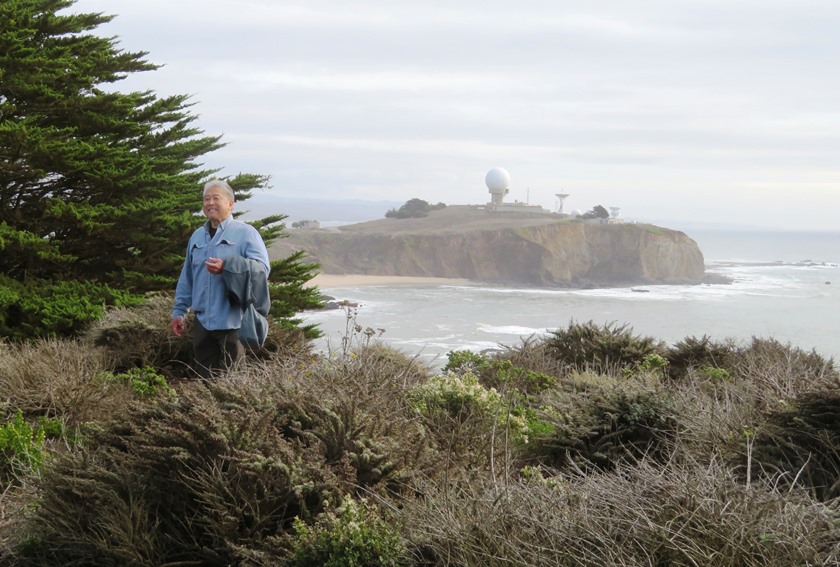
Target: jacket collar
[[222, 225]]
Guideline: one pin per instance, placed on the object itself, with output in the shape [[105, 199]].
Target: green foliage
[[98, 188], [653, 363], [21, 448], [143, 381], [499, 373], [100, 184], [413, 208], [611, 347], [522, 379], [694, 353], [455, 394], [460, 398], [462, 360], [715, 374], [518, 386], [45, 308], [352, 536], [597, 212], [290, 295]]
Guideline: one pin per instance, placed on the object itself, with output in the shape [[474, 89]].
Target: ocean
[[785, 285]]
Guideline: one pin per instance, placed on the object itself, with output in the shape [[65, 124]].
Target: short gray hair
[[223, 185]]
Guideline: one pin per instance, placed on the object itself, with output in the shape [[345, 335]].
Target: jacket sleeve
[[255, 249], [183, 291]]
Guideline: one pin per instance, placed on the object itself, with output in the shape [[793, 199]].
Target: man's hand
[[178, 326], [214, 265]]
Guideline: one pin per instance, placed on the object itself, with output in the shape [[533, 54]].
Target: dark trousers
[[215, 350]]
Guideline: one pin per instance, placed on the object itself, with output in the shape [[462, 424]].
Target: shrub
[[470, 423], [455, 395], [499, 372], [779, 371], [54, 309], [694, 353], [532, 354], [715, 374], [143, 381], [56, 378], [205, 477], [21, 449], [466, 360], [799, 445], [141, 337], [351, 536], [355, 410], [600, 349], [646, 514], [602, 420], [654, 363]]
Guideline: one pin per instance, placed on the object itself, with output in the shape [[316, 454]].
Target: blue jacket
[[204, 292], [246, 282]]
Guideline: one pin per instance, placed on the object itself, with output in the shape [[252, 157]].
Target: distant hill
[[328, 213], [474, 243]]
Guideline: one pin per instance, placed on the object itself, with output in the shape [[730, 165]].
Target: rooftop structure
[[497, 180]]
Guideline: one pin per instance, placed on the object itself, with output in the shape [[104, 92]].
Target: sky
[[710, 111]]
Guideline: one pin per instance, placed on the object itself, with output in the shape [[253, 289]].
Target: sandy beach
[[326, 281]]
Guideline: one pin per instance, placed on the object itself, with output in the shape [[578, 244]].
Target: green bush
[[414, 208], [144, 381], [21, 448], [715, 374], [499, 373], [693, 353], [352, 536], [463, 360], [601, 349], [54, 309], [654, 363], [455, 394]]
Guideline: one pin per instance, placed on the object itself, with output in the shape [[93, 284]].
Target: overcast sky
[[721, 111]]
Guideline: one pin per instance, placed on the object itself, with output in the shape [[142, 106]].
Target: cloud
[[685, 105]]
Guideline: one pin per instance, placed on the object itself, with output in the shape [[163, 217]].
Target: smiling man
[[201, 286]]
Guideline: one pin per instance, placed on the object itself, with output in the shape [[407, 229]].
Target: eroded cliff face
[[570, 254]]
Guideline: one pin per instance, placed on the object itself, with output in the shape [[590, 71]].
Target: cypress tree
[[99, 188]]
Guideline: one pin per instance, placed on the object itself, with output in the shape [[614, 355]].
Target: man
[[201, 286]]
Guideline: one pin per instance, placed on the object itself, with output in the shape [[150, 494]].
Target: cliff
[[469, 242]]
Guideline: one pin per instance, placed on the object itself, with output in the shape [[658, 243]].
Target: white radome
[[576, 213], [497, 179]]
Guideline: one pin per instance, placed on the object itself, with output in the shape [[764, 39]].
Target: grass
[[591, 447]]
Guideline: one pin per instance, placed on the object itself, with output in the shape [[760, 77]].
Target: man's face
[[217, 207]]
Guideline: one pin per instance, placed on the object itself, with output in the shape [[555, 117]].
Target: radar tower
[[561, 197]]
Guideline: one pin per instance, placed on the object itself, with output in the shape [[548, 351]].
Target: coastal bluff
[[470, 242]]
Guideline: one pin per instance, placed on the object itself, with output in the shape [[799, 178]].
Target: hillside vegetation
[[591, 446]]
